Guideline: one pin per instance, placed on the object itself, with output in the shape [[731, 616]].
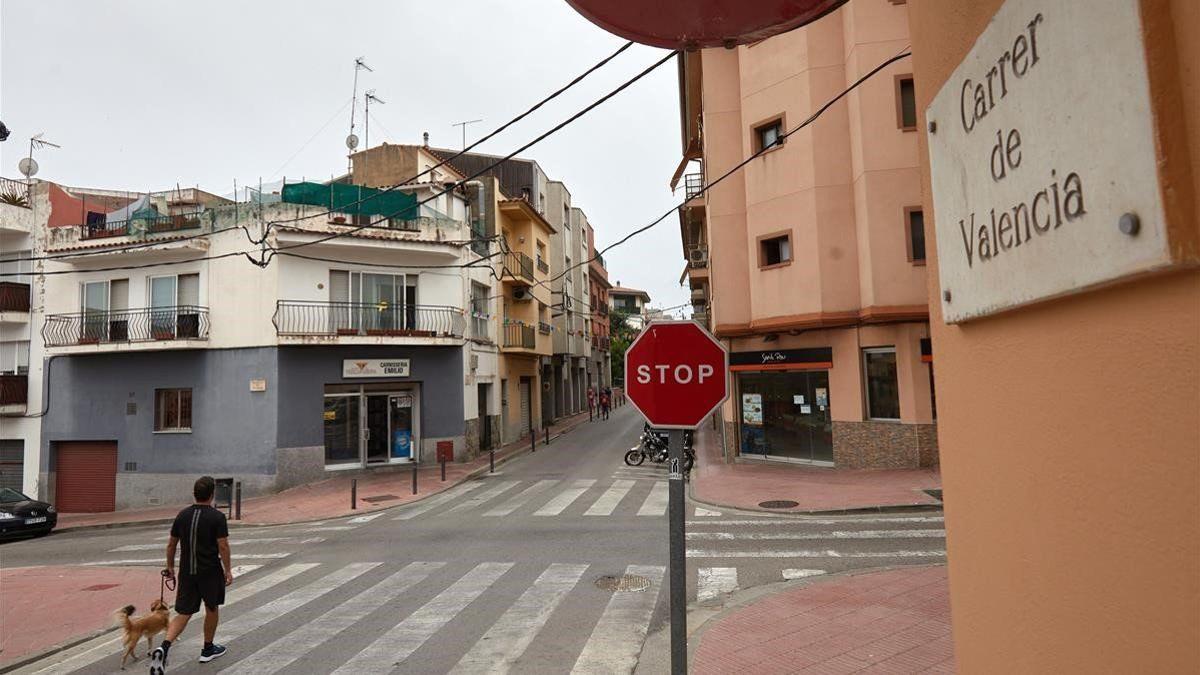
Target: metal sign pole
[[677, 567]]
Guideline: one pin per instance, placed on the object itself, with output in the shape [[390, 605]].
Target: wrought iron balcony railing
[[181, 322], [121, 228], [14, 193], [693, 185], [317, 318], [14, 297], [518, 265], [543, 266], [519, 337], [14, 389], [543, 328]]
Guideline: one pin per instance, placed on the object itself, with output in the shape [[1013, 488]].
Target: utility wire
[[310, 140]]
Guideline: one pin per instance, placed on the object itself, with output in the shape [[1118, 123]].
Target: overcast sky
[[144, 94]]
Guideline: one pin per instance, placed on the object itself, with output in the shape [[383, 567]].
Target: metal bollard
[[491, 460], [353, 493], [414, 477], [238, 494], [532, 439], [546, 438], [443, 469]]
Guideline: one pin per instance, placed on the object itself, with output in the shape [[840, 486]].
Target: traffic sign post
[[676, 374]]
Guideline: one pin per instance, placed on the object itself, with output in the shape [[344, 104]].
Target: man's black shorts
[[207, 586]]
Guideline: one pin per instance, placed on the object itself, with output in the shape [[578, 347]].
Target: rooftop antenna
[[28, 166], [464, 130], [368, 99], [352, 140]]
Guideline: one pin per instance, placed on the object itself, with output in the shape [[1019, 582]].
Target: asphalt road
[[555, 564]]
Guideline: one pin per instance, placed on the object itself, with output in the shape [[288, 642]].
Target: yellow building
[[525, 340]]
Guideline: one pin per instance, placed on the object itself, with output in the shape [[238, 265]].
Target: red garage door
[[87, 477]]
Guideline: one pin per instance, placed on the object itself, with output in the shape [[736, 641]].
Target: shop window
[[774, 250], [882, 385], [906, 103], [914, 225], [768, 134], [172, 409]]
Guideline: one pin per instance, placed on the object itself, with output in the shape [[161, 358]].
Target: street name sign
[[676, 374]]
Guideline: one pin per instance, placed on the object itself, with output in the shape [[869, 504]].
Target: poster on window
[[401, 443], [822, 397], [752, 409]]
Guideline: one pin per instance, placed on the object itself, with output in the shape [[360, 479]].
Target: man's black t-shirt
[[198, 528]]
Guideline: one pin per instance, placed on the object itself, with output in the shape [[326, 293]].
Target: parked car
[[20, 515]]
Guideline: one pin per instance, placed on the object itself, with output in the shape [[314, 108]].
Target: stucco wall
[[1069, 433]]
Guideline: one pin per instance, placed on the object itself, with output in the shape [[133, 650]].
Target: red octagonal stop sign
[[676, 374]]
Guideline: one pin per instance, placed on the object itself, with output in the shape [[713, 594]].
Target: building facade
[[600, 362], [630, 303], [809, 262]]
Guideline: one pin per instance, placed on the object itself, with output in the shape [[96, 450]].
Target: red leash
[[168, 584]]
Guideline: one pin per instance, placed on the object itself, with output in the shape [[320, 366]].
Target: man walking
[[204, 571], [605, 401]]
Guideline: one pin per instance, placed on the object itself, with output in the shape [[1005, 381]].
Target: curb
[[28, 659], [879, 508]]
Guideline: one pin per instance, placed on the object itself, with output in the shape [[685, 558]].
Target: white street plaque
[[1043, 143]]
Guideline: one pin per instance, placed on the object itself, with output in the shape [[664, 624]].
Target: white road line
[[565, 498], [792, 573], [656, 501], [518, 500], [93, 650], [430, 503], [233, 542], [364, 519], [332, 528], [240, 570], [390, 650], [706, 512], [485, 496], [704, 553], [608, 501], [158, 560], [293, 646], [819, 521], [839, 534], [509, 637], [617, 638], [711, 582]]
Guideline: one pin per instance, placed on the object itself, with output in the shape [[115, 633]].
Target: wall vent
[[131, 466]]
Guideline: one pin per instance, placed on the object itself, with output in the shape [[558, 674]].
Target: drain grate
[[627, 583], [779, 504], [100, 587], [379, 498]]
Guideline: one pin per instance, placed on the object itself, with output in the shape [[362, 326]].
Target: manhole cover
[[379, 498], [779, 504], [100, 587], [629, 583]]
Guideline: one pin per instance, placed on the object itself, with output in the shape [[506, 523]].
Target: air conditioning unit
[[522, 293], [698, 256]]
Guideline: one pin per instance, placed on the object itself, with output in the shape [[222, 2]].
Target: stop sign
[[676, 374]]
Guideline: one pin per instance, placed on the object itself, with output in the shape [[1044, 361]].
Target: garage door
[[12, 464], [87, 477]]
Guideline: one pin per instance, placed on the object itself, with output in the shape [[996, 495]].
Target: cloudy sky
[[145, 94]]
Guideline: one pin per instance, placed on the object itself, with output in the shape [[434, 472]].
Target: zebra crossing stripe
[[510, 636], [393, 647], [93, 650], [790, 573], [702, 553], [437, 500], [711, 582], [517, 501], [839, 534], [485, 496], [364, 519], [236, 542], [565, 498], [706, 512], [656, 501], [608, 501], [241, 570], [616, 641], [293, 646], [158, 561]]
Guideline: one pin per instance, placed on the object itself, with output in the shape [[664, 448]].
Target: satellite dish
[[28, 167], [352, 141]]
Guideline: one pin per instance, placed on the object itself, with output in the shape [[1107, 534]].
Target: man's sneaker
[[158, 661], [211, 652]]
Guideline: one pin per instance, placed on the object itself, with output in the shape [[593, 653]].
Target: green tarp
[[352, 199]]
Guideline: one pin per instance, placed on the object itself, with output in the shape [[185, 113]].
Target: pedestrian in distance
[[605, 401], [591, 395], [204, 571]]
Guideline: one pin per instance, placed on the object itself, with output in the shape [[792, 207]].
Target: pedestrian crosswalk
[[617, 497]]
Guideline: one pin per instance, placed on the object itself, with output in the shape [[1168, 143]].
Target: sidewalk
[[893, 621], [330, 498], [747, 483]]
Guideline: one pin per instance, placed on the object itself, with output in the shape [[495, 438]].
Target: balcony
[[125, 326], [14, 297], [517, 336], [306, 318], [14, 193], [693, 185], [543, 328], [14, 392], [517, 266], [543, 267], [138, 226]]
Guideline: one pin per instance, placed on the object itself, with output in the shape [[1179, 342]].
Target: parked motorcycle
[[653, 445]]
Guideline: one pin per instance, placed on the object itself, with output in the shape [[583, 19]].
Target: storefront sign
[[782, 359], [1042, 154], [375, 368]]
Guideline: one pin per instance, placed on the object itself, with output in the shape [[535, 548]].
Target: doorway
[[785, 415], [526, 387], [371, 427]]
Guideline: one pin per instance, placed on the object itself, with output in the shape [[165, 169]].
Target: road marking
[[332, 528], [839, 534], [565, 498], [364, 519], [703, 553], [792, 573], [706, 512], [159, 560], [437, 500], [819, 521], [656, 501], [295, 645], [519, 500], [240, 570], [485, 496], [616, 641], [509, 637], [93, 650], [393, 647], [235, 542], [711, 582], [608, 501]]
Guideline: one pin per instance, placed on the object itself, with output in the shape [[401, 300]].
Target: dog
[[147, 625]]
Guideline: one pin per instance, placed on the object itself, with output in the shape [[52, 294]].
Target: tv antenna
[[464, 130], [352, 140], [28, 166], [368, 99]]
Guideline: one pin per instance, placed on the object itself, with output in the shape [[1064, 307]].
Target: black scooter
[[653, 446]]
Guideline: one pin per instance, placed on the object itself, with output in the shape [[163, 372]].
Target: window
[[883, 390], [541, 254], [480, 310], [914, 223], [774, 250], [172, 409], [768, 134], [374, 302], [566, 216], [906, 103], [14, 357]]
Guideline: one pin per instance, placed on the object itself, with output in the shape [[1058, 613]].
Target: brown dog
[[147, 625]]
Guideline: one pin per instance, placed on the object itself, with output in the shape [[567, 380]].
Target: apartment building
[[809, 263], [600, 363], [348, 349], [631, 303]]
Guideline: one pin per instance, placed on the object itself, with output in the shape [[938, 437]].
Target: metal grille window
[[172, 409], [480, 311], [883, 389]]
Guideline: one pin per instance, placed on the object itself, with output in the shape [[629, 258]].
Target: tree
[[622, 335]]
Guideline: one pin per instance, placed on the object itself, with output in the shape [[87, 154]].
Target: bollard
[[443, 469], [532, 439], [238, 493], [414, 477], [491, 460], [353, 493], [547, 437]]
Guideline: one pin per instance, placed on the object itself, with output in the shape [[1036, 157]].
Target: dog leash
[[168, 584]]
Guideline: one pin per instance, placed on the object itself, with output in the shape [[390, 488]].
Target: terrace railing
[[316, 318], [148, 324]]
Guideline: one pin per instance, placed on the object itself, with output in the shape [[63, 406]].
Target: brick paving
[[889, 622]]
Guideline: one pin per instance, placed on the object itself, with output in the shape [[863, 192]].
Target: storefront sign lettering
[[352, 368]]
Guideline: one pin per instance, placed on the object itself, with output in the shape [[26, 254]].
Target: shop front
[[371, 424], [783, 404]]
